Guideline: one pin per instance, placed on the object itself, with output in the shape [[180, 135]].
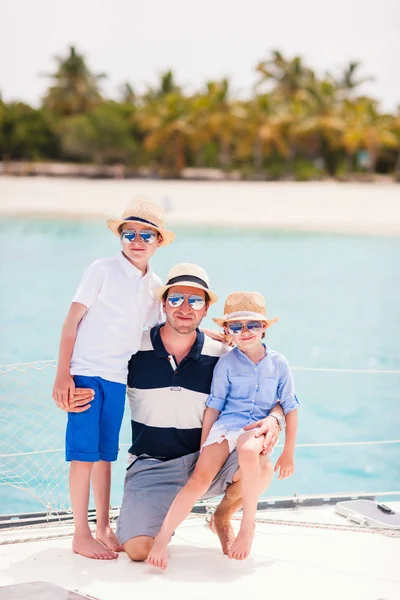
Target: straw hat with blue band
[[144, 212], [245, 306], [188, 275]]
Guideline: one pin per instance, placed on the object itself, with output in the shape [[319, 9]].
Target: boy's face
[[246, 339], [184, 318], [138, 251]]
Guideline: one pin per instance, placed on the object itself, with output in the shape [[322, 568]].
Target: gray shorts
[[151, 486]]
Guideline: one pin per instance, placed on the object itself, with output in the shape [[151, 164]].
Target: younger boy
[[114, 302]]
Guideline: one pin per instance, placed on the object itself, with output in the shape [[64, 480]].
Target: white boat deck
[[287, 562]]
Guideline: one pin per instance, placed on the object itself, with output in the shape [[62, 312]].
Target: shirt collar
[[129, 269], [245, 357], [159, 348]]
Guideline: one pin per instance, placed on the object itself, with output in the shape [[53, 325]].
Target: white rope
[[317, 445], [327, 370], [38, 365]]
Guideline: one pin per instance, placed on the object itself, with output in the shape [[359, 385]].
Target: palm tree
[[165, 123], [349, 80], [216, 118], [264, 130], [75, 88], [322, 124], [367, 129], [289, 77]]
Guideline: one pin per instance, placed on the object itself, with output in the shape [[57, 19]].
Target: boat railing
[[32, 433]]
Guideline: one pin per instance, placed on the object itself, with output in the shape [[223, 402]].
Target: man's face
[[138, 251], [184, 318]]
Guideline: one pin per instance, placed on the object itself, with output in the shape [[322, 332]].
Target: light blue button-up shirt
[[245, 392]]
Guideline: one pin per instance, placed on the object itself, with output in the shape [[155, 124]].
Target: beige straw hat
[[144, 212], [247, 306], [188, 275]]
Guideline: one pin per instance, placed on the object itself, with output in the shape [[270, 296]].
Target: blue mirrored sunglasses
[[195, 302], [148, 236], [237, 326]]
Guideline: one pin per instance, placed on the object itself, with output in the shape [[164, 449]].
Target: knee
[[138, 548], [249, 452], [199, 483]]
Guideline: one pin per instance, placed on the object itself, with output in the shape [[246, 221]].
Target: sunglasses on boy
[[176, 299], [237, 327], [148, 236]]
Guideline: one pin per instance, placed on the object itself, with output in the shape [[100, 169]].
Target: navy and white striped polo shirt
[[167, 401]]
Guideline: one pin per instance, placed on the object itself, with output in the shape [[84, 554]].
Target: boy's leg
[[101, 483], [111, 415], [82, 449], [220, 522], [248, 448], [209, 463], [79, 485]]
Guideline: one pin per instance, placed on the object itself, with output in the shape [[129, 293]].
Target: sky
[[135, 41]]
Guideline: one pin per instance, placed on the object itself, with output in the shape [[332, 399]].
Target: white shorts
[[219, 433]]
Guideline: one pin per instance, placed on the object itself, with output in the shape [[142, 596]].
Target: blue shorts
[[93, 435]]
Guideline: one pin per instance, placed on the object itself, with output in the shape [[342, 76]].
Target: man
[[168, 384]]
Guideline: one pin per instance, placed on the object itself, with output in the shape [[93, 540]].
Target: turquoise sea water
[[338, 302]]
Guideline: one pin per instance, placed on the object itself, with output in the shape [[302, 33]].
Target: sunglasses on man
[[148, 236], [237, 327], [176, 299]]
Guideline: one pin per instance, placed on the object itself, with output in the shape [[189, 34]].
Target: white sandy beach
[[370, 208]]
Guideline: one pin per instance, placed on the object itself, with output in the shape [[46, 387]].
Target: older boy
[[114, 302]]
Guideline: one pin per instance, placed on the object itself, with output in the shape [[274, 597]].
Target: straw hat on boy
[[144, 212], [189, 275], [245, 306]]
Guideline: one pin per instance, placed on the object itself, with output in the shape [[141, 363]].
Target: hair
[[207, 297]]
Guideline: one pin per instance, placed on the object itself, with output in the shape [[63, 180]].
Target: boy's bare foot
[[241, 547], [158, 556], [107, 537], [87, 546], [224, 531]]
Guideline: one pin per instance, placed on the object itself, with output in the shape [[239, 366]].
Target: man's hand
[[81, 400], [219, 336], [270, 429], [63, 389], [286, 464]]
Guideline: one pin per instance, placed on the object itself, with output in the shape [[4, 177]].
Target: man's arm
[[64, 387]]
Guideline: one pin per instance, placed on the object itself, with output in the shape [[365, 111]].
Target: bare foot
[[87, 546], [241, 547], [107, 537], [224, 531], [158, 556]]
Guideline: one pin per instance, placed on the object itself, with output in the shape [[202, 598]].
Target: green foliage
[[294, 121], [26, 133], [101, 136], [306, 170]]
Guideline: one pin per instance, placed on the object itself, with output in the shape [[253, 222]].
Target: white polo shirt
[[121, 303]]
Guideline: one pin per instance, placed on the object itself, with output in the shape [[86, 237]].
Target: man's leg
[[149, 490], [232, 502], [138, 548]]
